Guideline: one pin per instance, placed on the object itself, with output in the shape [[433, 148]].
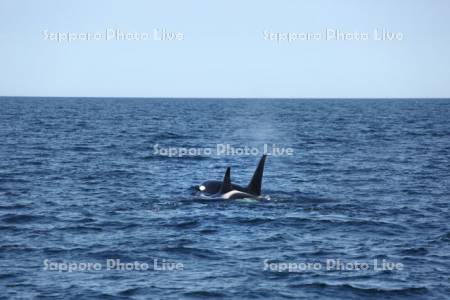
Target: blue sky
[[223, 52]]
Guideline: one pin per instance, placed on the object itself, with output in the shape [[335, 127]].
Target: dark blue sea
[[81, 187]]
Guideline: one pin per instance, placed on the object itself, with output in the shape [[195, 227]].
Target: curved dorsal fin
[[255, 184], [226, 183]]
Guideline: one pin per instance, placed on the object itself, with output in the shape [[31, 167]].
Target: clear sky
[[223, 51]]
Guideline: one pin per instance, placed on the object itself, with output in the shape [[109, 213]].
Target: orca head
[[210, 187]]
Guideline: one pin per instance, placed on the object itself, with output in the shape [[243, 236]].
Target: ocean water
[[81, 183]]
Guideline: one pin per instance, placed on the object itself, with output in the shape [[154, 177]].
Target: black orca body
[[226, 190]]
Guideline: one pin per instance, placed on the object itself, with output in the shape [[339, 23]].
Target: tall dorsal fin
[[255, 184], [226, 183]]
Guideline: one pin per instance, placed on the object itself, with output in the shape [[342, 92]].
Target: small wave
[[415, 251], [208, 231], [20, 219], [170, 136], [252, 221], [278, 237], [174, 157], [82, 229], [118, 225], [9, 228], [153, 157], [288, 197], [13, 180], [251, 200], [108, 254], [20, 285], [204, 294], [114, 173], [83, 149], [364, 289], [130, 291], [198, 252], [86, 220], [55, 250], [7, 275], [17, 248], [185, 224], [89, 178], [445, 237], [15, 206], [340, 221]]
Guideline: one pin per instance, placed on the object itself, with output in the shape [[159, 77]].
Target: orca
[[226, 190]]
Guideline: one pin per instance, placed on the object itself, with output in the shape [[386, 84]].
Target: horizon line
[[236, 98]]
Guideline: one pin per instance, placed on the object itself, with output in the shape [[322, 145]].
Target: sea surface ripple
[[80, 182]]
